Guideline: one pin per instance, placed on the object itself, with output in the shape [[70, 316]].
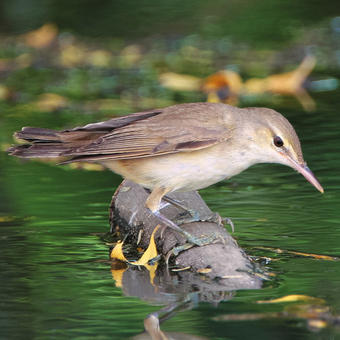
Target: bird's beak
[[303, 169]]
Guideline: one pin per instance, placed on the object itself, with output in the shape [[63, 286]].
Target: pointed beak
[[306, 172]]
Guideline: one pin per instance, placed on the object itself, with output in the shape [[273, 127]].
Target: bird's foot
[[194, 241], [222, 221], [198, 241], [214, 218], [188, 216], [202, 241], [228, 221]]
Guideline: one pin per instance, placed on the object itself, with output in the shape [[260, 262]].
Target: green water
[[55, 273], [56, 280]]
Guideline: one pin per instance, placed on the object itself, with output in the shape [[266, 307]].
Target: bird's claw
[[228, 221], [216, 218]]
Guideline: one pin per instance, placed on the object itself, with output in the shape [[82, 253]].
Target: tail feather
[[44, 143], [31, 134], [39, 150]]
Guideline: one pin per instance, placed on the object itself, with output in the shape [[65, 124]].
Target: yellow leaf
[[293, 298], [117, 252], [316, 256], [150, 252]]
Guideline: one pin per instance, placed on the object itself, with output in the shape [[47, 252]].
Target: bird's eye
[[278, 141]]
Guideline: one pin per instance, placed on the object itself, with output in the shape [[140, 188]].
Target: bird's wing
[[178, 128]]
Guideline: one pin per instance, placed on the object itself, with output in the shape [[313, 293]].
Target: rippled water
[[56, 281]]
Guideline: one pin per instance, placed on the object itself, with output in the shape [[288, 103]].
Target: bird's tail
[[42, 143]]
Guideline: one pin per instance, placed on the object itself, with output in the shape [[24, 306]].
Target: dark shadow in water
[[176, 291]]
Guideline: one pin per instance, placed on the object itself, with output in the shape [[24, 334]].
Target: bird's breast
[[183, 171]]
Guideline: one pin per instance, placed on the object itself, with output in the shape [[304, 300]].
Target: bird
[[182, 147]]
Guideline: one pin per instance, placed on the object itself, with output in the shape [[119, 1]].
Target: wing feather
[[178, 128]]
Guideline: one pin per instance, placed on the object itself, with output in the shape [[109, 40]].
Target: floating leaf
[[117, 252], [293, 298], [288, 83], [149, 254], [315, 256]]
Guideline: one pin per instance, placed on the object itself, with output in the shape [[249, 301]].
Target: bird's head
[[277, 142]]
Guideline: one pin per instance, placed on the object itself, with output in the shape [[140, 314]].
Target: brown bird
[[178, 148]]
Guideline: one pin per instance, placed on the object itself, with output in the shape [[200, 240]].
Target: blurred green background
[[68, 63]]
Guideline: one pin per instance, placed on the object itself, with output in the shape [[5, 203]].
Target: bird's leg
[[153, 203], [194, 215], [188, 216]]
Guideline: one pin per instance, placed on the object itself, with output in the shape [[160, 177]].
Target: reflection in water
[[153, 331], [178, 291]]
